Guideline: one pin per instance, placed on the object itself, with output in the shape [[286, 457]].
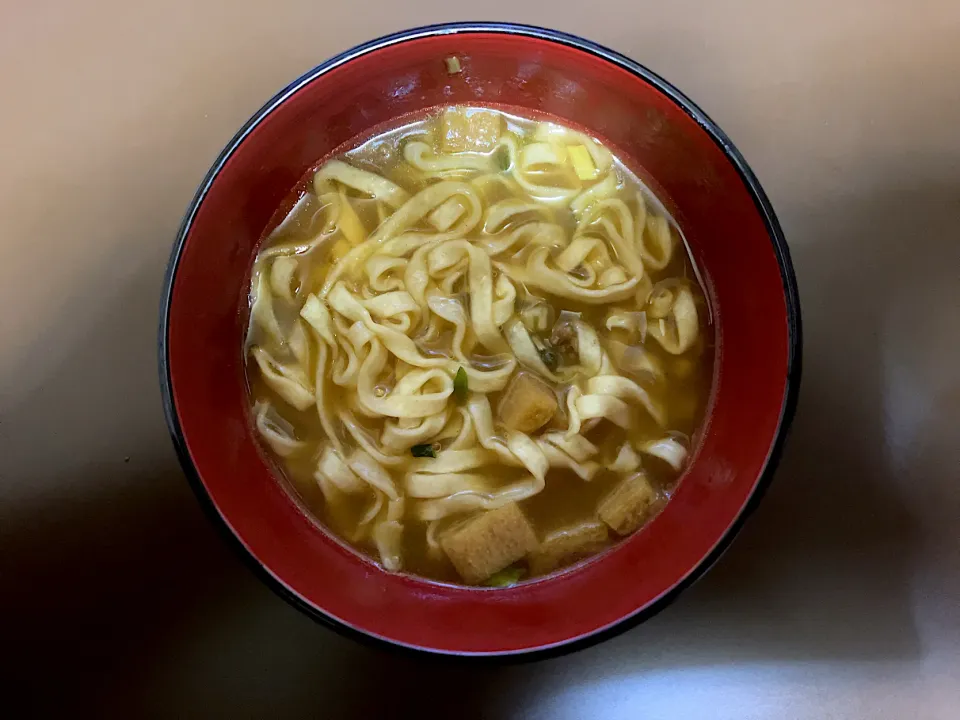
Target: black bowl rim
[[791, 296]]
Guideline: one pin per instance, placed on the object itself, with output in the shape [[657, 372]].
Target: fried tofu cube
[[565, 546], [469, 131], [527, 404], [628, 505], [489, 542], [484, 130], [453, 131]]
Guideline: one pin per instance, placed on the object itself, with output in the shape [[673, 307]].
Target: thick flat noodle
[[478, 406], [371, 472], [644, 288], [576, 446], [454, 461], [401, 435], [317, 316], [611, 276], [573, 394], [630, 321], [464, 502], [505, 211], [364, 525], [627, 460], [547, 234], [551, 132], [306, 204], [397, 342], [626, 389], [536, 316], [419, 394], [662, 297], [369, 183], [529, 453], [451, 310], [319, 396], [416, 275], [516, 450], [408, 242], [667, 449], [390, 304], [558, 458], [348, 222], [480, 282], [262, 315], [385, 273], [519, 172], [614, 218], [584, 249], [453, 279], [408, 215], [584, 276], [505, 294], [600, 191], [440, 485], [324, 216], [542, 153], [481, 416], [470, 500], [678, 331], [388, 535], [421, 156], [276, 431], [405, 348], [589, 349], [363, 439], [315, 313], [537, 274], [281, 276], [652, 237], [461, 430], [492, 380], [299, 343], [346, 369], [288, 381], [446, 214], [604, 407], [334, 469]]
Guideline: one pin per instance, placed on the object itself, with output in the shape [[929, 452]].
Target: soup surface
[[478, 348]]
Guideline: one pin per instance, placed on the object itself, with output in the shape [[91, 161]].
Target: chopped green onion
[[424, 450], [507, 577], [460, 388]]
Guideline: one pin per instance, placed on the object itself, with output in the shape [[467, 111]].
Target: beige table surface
[[841, 599]]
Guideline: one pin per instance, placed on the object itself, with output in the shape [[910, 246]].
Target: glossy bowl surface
[[734, 237]]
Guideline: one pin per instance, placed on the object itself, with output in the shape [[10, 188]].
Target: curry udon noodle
[[478, 348]]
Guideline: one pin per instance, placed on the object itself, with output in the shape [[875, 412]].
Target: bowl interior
[[729, 238]]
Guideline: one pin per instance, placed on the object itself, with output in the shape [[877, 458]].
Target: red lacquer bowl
[[733, 234]]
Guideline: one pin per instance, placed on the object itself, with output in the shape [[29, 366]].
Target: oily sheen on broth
[[478, 348]]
